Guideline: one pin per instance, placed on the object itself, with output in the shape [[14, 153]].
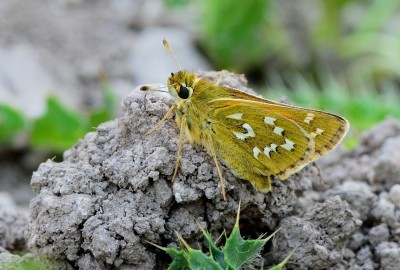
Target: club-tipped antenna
[[166, 45], [147, 89]]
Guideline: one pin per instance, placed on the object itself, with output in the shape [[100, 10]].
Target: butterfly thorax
[[191, 95]]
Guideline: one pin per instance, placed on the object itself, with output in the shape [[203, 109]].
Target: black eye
[[183, 92]]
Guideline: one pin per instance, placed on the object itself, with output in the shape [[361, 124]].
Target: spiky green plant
[[235, 254]]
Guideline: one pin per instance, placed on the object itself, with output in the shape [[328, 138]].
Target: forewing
[[258, 139], [326, 129]]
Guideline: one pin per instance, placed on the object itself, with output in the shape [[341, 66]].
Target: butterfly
[[253, 137]]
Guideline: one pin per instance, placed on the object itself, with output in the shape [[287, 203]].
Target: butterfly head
[[181, 84]]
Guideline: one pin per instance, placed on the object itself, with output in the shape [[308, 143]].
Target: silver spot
[[243, 136], [278, 130], [266, 151], [250, 132], [269, 120], [256, 152], [239, 135], [319, 131], [273, 147], [289, 145], [237, 116], [309, 118]]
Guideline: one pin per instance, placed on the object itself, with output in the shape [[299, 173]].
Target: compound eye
[[184, 92]]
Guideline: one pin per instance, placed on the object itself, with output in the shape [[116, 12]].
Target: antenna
[[147, 89], [166, 45]]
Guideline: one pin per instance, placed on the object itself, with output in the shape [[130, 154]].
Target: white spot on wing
[[269, 120], [243, 136], [309, 118], [289, 145], [278, 130], [239, 135], [237, 116], [319, 131], [273, 147], [266, 151], [256, 152]]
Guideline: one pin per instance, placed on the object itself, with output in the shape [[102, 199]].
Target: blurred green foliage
[[239, 35], [358, 37], [356, 40], [59, 128], [176, 3], [369, 47], [11, 123]]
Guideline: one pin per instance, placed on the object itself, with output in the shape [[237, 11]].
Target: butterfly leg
[[167, 115], [212, 151], [182, 128]]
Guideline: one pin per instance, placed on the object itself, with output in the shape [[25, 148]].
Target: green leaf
[[59, 128], [239, 35], [179, 261], [215, 252], [199, 261], [196, 259], [12, 121], [98, 117], [236, 253], [239, 251]]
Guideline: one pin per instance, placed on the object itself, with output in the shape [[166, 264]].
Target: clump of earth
[[112, 192]]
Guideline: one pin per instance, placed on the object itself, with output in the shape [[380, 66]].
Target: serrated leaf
[[59, 128], [179, 261], [199, 261], [236, 252], [12, 121], [215, 252], [239, 251], [196, 259]]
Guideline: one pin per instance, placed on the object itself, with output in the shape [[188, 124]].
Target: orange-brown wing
[[326, 129], [254, 141]]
